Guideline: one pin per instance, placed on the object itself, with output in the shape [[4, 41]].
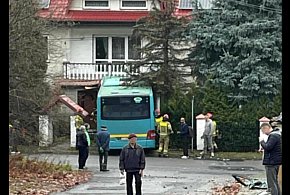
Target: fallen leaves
[[40, 177]]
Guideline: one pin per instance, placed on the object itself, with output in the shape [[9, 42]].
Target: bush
[[239, 136], [239, 125]]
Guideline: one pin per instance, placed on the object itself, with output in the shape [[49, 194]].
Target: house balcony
[[94, 71]]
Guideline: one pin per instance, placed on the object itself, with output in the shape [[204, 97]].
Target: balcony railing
[[94, 71]]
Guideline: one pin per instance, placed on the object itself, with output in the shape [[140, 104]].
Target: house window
[[44, 4], [204, 4], [118, 48], [133, 44], [185, 4], [195, 4], [101, 48], [96, 4], [115, 49], [136, 4]]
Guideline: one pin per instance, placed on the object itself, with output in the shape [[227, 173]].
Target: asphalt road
[[161, 175]]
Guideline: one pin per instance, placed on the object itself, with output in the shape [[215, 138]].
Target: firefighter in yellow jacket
[[158, 119], [164, 129]]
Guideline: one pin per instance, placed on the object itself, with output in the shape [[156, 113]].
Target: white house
[[97, 44]]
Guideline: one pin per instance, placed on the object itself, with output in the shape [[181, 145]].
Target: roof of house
[[59, 10], [106, 16], [72, 82]]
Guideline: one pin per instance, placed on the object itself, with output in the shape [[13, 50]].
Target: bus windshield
[[125, 108]]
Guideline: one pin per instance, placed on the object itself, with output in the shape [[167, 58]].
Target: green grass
[[175, 153], [218, 155], [239, 155]]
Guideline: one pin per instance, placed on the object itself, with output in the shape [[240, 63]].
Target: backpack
[[190, 130]]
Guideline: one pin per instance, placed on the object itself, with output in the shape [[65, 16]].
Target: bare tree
[[28, 91]]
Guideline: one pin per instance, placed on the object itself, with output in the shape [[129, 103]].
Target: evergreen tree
[[215, 100], [239, 45], [163, 62]]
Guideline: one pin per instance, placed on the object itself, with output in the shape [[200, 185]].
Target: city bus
[[126, 109]]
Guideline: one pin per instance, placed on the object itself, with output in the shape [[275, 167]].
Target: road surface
[[162, 175]]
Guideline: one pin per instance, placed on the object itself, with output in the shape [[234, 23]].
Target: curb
[[93, 152]]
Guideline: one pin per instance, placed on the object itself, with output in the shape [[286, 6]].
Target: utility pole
[[192, 120]]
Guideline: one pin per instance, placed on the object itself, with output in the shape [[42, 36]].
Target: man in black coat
[[184, 133], [132, 160], [82, 146], [272, 156], [103, 144]]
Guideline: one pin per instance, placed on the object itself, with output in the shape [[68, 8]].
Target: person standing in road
[[132, 161], [82, 146], [184, 133], [272, 158], [207, 136], [103, 144], [164, 129]]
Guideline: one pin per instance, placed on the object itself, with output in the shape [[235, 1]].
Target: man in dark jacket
[[103, 141], [272, 156], [82, 146], [184, 133], [132, 160]]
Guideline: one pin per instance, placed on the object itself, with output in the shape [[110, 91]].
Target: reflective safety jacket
[[78, 121], [214, 129], [158, 120], [164, 128]]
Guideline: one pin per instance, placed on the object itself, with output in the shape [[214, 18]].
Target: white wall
[[82, 50], [73, 132], [200, 123], [75, 44], [58, 50], [45, 131]]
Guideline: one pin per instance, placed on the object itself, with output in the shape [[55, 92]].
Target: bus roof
[[112, 86]]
